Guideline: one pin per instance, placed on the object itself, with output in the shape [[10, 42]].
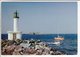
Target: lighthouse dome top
[[16, 15]]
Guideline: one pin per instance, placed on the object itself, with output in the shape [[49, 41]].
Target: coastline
[[68, 47], [27, 47]]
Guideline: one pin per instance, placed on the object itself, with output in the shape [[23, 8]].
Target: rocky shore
[[27, 47]]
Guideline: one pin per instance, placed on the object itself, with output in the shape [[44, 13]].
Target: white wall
[[18, 36], [10, 36]]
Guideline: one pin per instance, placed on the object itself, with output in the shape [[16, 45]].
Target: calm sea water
[[69, 45]]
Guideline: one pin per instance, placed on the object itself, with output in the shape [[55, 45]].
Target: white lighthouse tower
[[15, 34]]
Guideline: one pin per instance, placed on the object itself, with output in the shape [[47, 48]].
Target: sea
[[69, 45]]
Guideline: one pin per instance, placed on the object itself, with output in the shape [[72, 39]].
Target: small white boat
[[58, 40]]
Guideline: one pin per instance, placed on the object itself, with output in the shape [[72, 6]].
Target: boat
[[58, 40]]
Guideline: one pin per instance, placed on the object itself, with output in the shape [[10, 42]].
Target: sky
[[39, 0], [43, 17]]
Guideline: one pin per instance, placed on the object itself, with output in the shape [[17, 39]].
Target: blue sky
[[38, 0], [43, 17]]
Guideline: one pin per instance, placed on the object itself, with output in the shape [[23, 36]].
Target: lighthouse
[[15, 24], [15, 34]]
